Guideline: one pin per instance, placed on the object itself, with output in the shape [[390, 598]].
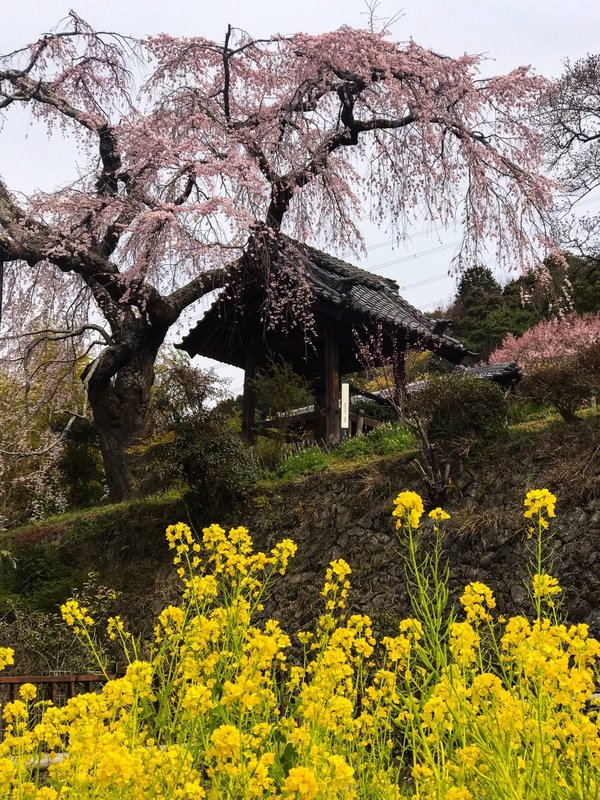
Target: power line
[[425, 281], [439, 302], [414, 256], [576, 203], [424, 232], [428, 231]]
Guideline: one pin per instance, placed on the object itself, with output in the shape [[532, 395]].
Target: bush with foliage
[[193, 444], [371, 408], [42, 644], [215, 463], [80, 463], [279, 389], [449, 414], [455, 408], [446, 413], [460, 705]]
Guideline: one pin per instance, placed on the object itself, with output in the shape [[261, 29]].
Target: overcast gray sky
[[512, 32], [508, 33]]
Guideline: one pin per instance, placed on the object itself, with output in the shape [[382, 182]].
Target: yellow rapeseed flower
[[28, 692], [300, 784], [464, 641], [397, 647], [114, 627], [7, 657], [476, 599], [75, 615], [420, 771], [458, 793], [226, 743], [46, 793], [408, 510], [412, 627], [216, 711], [170, 622], [545, 586], [438, 515], [538, 501]]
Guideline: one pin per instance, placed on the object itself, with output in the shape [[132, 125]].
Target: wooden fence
[[57, 688]]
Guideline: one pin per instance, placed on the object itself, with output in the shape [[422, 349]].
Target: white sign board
[[345, 405]]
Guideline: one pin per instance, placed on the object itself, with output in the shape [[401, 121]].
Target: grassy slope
[[125, 544]]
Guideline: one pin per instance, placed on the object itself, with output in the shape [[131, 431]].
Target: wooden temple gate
[[346, 300]]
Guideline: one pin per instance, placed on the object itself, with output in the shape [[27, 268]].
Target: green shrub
[[43, 644], [80, 463], [35, 565], [269, 453], [215, 463], [279, 389], [457, 407], [384, 413], [37, 573], [192, 444]]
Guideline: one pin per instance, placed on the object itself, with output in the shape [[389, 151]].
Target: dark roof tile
[[372, 295], [361, 293]]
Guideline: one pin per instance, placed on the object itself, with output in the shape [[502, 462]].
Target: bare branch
[[57, 335], [45, 450]]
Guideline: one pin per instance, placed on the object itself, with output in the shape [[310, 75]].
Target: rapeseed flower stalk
[[218, 708], [427, 577], [540, 506]]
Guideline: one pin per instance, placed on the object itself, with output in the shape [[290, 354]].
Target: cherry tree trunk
[[119, 404]]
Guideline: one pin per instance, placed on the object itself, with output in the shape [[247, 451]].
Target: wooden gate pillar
[[332, 385]]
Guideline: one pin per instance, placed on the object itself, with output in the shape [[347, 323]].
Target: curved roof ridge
[[344, 269]]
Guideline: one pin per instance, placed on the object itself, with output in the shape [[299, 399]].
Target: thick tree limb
[[195, 289]]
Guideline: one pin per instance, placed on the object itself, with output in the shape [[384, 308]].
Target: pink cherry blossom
[[562, 336]]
